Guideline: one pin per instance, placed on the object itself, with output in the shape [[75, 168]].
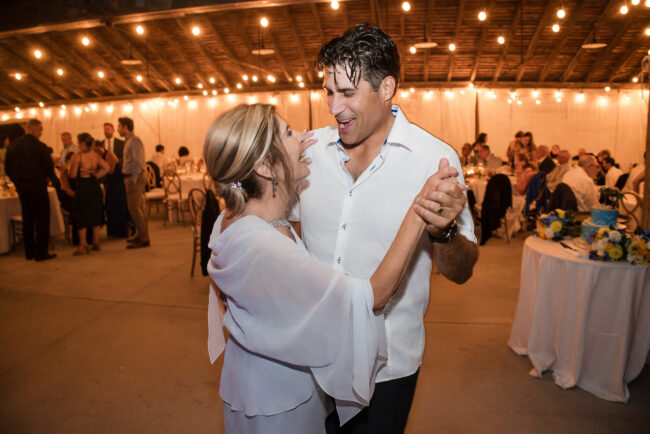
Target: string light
[[214, 92], [413, 49], [86, 109], [519, 102], [647, 3], [85, 41], [254, 78], [412, 90], [38, 54], [139, 30], [452, 47], [406, 6], [535, 93], [449, 94], [482, 16], [501, 40], [647, 31], [624, 9], [271, 78], [17, 109], [561, 13], [41, 104], [636, 2], [298, 78], [77, 111], [47, 112], [404, 94], [59, 71], [301, 84], [226, 91], [200, 85], [509, 101], [556, 27], [537, 102], [205, 93], [211, 80], [18, 76], [109, 109], [264, 22], [185, 97], [273, 100], [607, 88], [635, 79], [244, 77], [100, 74], [334, 4], [93, 106], [239, 85], [139, 78], [196, 31], [471, 85], [5, 117], [213, 102], [178, 80]]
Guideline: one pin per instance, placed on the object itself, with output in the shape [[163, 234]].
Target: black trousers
[[387, 413], [35, 205]]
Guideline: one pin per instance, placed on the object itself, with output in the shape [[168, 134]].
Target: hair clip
[[236, 186]]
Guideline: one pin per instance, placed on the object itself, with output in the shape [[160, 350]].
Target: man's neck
[[128, 135], [362, 154]]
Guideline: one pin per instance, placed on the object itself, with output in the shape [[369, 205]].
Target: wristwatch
[[448, 236]]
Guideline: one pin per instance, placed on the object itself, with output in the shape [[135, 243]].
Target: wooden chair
[[16, 228], [154, 195], [629, 210], [173, 195], [68, 225], [196, 202]]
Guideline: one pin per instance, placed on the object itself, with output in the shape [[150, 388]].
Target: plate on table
[[576, 246]]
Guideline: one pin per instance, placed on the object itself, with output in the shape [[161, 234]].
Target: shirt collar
[[399, 133]]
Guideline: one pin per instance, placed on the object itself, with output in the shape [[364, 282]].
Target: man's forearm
[[456, 260]]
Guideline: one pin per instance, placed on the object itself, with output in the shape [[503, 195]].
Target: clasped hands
[[441, 199]]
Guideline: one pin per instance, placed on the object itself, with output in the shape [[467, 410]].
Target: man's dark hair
[[610, 161], [183, 151], [110, 124], [159, 148], [127, 122], [484, 146], [364, 52]]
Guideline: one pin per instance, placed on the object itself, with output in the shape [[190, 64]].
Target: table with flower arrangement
[[586, 320]]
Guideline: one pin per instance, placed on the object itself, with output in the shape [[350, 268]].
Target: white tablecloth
[[10, 206], [190, 181], [587, 321]]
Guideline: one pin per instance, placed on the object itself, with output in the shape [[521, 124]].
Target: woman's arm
[[112, 160], [74, 165], [523, 180], [104, 167]]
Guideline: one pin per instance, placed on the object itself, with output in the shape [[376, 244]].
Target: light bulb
[[18, 76], [100, 74], [556, 27], [452, 47], [406, 6], [38, 54], [264, 22], [624, 9], [501, 40], [334, 4], [85, 41], [139, 78], [561, 13], [482, 16], [196, 31], [413, 50], [139, 30], [59, 71], [177, 80]]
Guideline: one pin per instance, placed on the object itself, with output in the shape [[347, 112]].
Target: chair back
[[621, 181], [196, 200], [630, 208], [498, 198], [563, 198], [172, 184], [151, 176]]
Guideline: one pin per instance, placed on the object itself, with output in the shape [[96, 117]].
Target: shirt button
[[345, 225], [350, 193], [338, 260]]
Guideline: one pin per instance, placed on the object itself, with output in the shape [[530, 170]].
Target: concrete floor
[[115, 341]]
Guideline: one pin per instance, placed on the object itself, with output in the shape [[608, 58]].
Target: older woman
[[524, 170], [87, 167], [298, 328]]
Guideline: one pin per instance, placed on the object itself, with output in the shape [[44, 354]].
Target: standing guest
[[160, 159], [528, 144], [111, 143], [356, 165], [487, 159], [4, 144], [134, 182], [467, 159], [29, 166], [612, 172], [524, 170], [116, 210], [581, 181], [543, 159], [68, 147], [87, 168], [554, 178], [514, 146]]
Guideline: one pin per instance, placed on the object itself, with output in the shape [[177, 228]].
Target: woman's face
[[291, 140], [525, 140]]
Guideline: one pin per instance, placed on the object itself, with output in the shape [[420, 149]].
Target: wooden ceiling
[[532, 55]]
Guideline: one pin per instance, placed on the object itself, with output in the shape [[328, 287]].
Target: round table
[[190, 181], [587, 321], [10, 206]]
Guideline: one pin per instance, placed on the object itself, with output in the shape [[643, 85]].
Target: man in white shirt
[[581, 181], [611, 172], [487, 159], [160, 159], [365, 174], [68, 147]]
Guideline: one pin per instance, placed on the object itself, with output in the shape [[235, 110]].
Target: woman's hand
[[306, 141]]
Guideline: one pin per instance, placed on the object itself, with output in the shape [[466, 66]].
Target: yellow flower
[[615, 252], [601, 232], [560, 213], [556, 226]]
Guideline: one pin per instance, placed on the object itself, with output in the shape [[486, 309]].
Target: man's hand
[[441, 199]]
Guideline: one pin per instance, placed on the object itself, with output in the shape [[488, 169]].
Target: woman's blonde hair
[[238, 142], [527, 163]]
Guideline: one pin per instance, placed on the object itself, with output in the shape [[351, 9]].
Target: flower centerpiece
[[638, 248], [556, 225], [609, 245]]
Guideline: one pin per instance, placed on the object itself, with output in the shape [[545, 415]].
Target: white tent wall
[[615, 120], [590, 119]]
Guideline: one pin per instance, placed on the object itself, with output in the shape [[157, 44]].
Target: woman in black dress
[[87, 167], [116, 211]]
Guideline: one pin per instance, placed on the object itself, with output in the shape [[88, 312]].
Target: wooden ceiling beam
[[240, 28], [15, 92], [548, 12], [431, 4], [375, 15], [567, 31], [225, 48], [40, 83], [481, 43], [319, 24], [506, 47], [604, 55], [574, 60], [301, 50], [343, 9], [459, 23], [217, 70], [634, 48], [280, 57]]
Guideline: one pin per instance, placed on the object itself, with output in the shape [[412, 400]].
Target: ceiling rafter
[[481, 43], [459, 22], [241, 30], [634, 48], [548, 12], [431, 4], [375, 15], [123, 40], [344, 13], [622, 29], [218, 71], [567, 31], [590, 35], [301, 50], [24, 93], [506, 47], [40, 83], [319, 24], [11, 92], [279, 56], [225, 48]]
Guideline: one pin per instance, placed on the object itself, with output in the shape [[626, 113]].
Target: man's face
[[66, 139], [108, 131], [467, 149], [359, 111], [483, 152], [37, 131], [592, 170], [122, 130]]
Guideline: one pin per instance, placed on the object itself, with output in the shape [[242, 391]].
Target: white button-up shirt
[[350, 224], [583, 187]]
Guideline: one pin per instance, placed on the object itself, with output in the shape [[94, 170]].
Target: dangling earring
[[275, 186]]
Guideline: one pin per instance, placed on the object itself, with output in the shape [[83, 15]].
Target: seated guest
[[555, 151], [600, 177], [581, 153], [87, 167], [555, 176], [184, 156], [581, 181], [486, 159], [514, 146], [160, 159], [636, 170], [611, 172], [543, 160], [524, 170], [466, 159], [527, 145]]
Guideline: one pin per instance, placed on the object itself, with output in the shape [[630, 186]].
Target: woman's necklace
[[280, 222]]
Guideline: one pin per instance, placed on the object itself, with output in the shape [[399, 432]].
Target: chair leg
[[193, 258]]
